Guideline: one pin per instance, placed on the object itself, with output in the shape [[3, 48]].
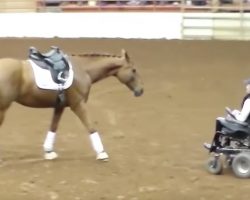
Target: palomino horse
[[18, 84]]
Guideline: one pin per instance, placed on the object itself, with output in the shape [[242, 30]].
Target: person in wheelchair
[[236, 124]]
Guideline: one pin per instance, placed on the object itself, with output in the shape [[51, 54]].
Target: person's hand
[[235, 112], [231, 114]]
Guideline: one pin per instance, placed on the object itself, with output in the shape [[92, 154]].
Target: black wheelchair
[[230, 147]]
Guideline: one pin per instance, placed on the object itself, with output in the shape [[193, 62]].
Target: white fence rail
[[231, 26]]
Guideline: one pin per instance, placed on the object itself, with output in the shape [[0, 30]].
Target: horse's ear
[[125, 55]]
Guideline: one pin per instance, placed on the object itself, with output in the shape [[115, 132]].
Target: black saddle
[[53, 60]]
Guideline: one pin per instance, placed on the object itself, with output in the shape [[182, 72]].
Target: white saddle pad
[[44, 80]]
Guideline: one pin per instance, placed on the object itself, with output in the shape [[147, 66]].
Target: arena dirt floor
[[154, 142]]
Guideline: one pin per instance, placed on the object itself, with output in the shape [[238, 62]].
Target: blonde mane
[[96, 55]]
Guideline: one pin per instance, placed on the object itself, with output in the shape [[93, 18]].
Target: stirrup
[[60, 78]]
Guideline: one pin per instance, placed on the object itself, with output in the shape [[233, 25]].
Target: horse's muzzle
[[138, 92]]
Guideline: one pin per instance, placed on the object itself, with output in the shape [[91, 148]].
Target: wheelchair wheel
[[241, 165], [214, 165]]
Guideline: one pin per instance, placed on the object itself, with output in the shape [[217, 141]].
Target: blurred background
[[124, 5]]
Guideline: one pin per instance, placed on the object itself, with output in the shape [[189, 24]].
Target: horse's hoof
[[50, 155], [103, 156]]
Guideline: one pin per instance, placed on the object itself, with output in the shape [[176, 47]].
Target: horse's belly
[[38, 98]]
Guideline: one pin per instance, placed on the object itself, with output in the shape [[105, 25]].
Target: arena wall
[[91, 25], [146, 25]]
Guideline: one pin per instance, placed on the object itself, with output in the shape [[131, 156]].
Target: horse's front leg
[[81, 111], [48, 145]]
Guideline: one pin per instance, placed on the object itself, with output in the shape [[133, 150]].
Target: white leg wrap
[[98, 147], [96, 142], [48, 144]]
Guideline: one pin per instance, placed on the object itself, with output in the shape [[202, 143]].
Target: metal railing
[[228, 26]]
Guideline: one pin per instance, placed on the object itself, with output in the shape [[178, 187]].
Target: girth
[[54, 60]]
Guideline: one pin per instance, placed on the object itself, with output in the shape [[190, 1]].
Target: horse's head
[[129, 76]]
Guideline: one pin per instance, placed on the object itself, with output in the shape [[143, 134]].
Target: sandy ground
[[154, 142]]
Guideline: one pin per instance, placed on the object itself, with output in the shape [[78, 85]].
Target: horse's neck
[[104, 68]]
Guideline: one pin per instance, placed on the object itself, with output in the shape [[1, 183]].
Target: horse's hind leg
[[2, 113], [49, 141], [81, 111]]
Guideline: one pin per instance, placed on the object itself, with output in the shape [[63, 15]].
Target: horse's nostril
[[138, 92]]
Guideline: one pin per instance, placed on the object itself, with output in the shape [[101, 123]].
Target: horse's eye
[[133, 70]]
